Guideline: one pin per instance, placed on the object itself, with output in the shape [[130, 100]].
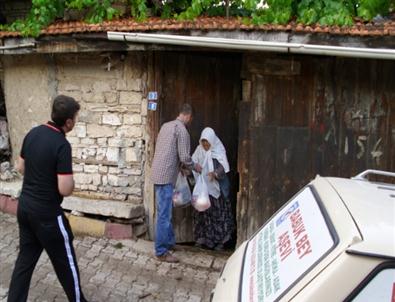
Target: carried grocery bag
[[182, 193], [200, 197]]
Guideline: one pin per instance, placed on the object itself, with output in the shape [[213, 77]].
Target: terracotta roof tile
[[386, 28]]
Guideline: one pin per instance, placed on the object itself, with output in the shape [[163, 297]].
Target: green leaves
[[325, 12], [96, 11], [368, 9], [139, 9], [275, 12]]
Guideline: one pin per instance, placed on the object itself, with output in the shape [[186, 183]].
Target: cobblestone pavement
[[116, 270]]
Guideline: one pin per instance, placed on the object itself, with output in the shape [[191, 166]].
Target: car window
[[381, 288], [286, 247]]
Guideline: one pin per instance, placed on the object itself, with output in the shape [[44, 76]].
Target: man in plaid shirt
[[172, 151]]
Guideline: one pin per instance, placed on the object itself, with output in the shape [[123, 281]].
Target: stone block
[[94, 97], [132, 119], [92, 187], [129, 131], [118, 181], [133, 155], [113, 170], [128, 190], [87, 116], [101, 86], [96, 179], [112, 154], [103, 169], [132, 171], [115, 142], [111, 98], [82, 178], [130, 97], [104, 207], [80, 130], [12, 188], [120, 197], [101, 153], [76, 152], [87, 141], [78, 168], [121, 142], [102, 142], [73, 140], [88, 152], [111, 119], [91, 169], [130, 84], [96, 131]]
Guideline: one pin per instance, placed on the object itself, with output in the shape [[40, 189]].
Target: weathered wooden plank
[[271, 66], [152, 131], [335, 118], [292, 158], [243, 167]]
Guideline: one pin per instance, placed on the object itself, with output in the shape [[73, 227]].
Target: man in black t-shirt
[[45, 160]]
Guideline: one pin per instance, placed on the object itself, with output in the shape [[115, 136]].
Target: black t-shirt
[[47, 154]]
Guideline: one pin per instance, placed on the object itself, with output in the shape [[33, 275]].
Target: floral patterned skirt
[[214, 227]]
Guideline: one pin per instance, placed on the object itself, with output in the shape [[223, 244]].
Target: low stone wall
[[83, 226]]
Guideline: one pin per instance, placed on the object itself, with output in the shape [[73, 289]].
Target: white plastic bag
[[182, 194], [200, 197]]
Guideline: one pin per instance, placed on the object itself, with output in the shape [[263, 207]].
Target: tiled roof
[[386, 28]]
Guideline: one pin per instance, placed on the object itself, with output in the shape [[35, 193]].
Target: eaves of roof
[[385, 28]]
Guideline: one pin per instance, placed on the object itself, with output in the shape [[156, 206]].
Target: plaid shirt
[[172, 148]]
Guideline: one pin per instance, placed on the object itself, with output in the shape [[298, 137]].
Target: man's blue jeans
[[164, 237]]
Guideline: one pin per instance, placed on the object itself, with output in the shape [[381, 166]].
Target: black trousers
[[52, 233]]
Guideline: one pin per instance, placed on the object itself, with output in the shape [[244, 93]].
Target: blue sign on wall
[[152, 95], [152, 106]]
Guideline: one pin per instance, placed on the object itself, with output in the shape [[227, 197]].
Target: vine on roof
[[324, 12]]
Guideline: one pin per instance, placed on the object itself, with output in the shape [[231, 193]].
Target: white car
[[333, 241]]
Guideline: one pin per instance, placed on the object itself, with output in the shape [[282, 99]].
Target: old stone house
[[288, 103]]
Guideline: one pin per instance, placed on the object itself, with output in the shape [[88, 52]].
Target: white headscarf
[[205, 159]]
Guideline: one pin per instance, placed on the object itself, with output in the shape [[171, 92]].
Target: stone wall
[[108, 141]]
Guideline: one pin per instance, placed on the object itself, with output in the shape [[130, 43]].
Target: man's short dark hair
[[186, 109], [64, 108]]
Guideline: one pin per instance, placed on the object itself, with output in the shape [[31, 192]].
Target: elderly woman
[[213, 227]]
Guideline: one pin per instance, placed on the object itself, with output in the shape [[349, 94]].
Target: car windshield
[[290, 244]]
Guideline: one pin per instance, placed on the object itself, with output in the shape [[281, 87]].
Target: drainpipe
[[238, 44]]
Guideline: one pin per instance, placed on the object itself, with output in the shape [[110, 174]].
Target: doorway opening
[[210, 82]]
